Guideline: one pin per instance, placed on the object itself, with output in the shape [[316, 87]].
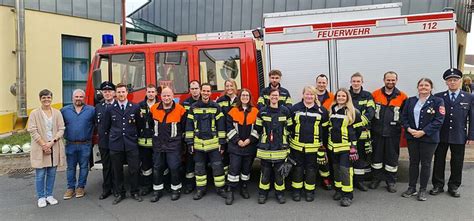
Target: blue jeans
[[77, 154], [47, 174]]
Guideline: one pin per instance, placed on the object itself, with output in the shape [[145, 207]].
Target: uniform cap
[[452, 73], [107, 85]]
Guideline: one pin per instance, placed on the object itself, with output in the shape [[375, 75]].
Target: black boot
[[309, 195], [262, 198], [374, 184], [189, 187], [361, 186], [337, 195], [199, 194], [229, 196], [157, 194], [175, 194], [146, 190], [296, 195], [244, 191], [221, 192], [281, 198], [345, 202]]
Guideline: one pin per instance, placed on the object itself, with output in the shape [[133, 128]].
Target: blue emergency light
[[107, 40]]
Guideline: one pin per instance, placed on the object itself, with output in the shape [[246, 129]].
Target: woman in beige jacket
[[46, 127]]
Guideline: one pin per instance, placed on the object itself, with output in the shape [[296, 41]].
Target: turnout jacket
[[240, 126], [388, 108], [308, 128], [168, 127], [264, 99], [364, 103], [342, 135], [226, 103], [145, 125], [205, 126], [272, 124], [430, 121]]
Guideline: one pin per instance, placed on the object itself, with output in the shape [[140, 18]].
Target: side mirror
[[97, 78]]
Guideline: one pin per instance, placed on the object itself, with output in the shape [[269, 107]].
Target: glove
[[368, 147], [191, 149], [353, 156], [286, 167], [322, 157]]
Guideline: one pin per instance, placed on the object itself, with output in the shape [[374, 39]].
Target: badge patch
[[442, 110]]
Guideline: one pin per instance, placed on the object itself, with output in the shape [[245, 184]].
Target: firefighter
[[145, 134], [169, 125], [364, 103], [189, 178], [326, 99], [457, 130], [226, 102], [205, 135], [108, 92], [121, 125], [343, 144], [386, 130], [306, 143], [285, 98], [272, 123], [242, 138]]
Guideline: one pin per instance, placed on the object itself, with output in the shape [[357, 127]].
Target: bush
[[17, 138]]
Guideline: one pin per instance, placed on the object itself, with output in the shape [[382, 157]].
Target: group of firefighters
[[172, 147]]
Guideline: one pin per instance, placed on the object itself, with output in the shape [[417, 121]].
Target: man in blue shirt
[[79, 122]]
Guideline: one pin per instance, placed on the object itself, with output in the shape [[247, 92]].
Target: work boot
[[422, 195], [345, 202], [409, 193], [361, 186], [309, 196], [436, 190], [391, 187], [327, 184], [221, 192], [199, 194], [118, 198], [229, 196], [375, 184], [188, 188], [262, 198], [281, 198], [137, 197], [175, 194], [68, 194], [146, 190], [296, 195], [244, 191], [157, 194], [337, 195]]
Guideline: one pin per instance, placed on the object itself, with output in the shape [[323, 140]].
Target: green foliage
[[17, 138]]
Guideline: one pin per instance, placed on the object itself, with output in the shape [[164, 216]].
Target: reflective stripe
[[377, 166], [219, 181], [189, 134], [280, 187], [272, 154], [282, 119], [244, 177], [324, 173], [190, 116], [371, 103], [221, 134], [231, 134], [206, 145], [367, 170], [219, 116], [377, 111], [266, 118], [258, 122], [147, 172], [145, 142], [158, 187], [166, 172], [304, 147], [254, 133], [391, 169], [174, 129], [288, 100], [210, 110], [156, 128], [396, 113], [189, 175], [261, 100], [177, 187], [186, 107], [232, 178], [338, 184], [309, 186], [297, 185], [359, 171], [201, 180]]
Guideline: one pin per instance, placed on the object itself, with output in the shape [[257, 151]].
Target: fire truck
[[338, 42]]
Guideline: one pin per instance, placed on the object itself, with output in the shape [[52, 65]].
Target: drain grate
[[22, 171]]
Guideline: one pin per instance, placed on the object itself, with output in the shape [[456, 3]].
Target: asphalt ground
[[18, 202]]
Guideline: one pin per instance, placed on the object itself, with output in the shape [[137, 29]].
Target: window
[[126, 68], [151, 38], [218, 65], [75, 65], [172, 70]]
